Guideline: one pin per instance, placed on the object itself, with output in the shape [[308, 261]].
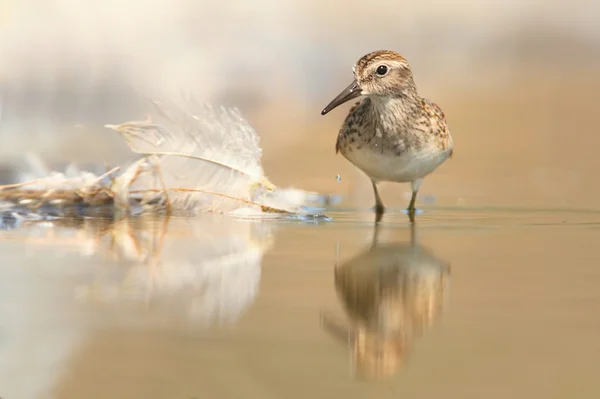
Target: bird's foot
[[379, 211], [412, 212]]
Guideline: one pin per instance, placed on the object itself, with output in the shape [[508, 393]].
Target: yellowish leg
[[413, 199], [411, 207]]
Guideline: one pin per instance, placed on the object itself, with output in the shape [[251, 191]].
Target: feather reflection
[[391, 293], [204, 270]]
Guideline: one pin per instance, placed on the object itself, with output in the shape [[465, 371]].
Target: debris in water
[[193, 159], [338, 178]]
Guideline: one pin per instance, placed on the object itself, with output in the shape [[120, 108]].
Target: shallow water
[[468, 303]]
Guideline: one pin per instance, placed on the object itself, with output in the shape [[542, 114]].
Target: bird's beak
[[347, 94]]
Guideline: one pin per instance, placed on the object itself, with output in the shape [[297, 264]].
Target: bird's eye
[[382, 70]]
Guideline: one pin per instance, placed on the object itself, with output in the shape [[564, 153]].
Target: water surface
[[468, 303]]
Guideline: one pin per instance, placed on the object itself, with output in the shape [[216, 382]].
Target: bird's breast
[[385, 163], [394, 146]]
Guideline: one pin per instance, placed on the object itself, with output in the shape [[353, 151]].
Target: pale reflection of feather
[[207, 269]]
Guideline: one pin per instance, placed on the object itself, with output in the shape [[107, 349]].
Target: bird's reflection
[[391, 292]]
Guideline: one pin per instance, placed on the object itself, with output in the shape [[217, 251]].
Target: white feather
[[210, 159]]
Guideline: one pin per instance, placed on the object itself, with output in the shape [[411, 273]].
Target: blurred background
[[519, 82], [517, 79]]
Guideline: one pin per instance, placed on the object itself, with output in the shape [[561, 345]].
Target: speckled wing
[[438, 124]]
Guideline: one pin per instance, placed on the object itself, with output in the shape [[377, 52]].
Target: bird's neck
[[403, 106]]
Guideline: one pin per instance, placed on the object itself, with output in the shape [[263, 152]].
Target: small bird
[[392, 134]]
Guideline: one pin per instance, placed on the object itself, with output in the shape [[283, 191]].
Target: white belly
[[396, 168]]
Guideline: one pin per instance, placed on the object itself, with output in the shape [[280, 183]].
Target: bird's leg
[[413, 198], [379, 208], [411, 206]]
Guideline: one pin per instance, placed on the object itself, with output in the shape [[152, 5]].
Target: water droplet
[[338, 178]]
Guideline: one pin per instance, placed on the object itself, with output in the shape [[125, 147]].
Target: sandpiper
[[392, 134]]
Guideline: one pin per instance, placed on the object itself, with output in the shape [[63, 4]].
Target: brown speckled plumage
[[392, 134], [379, 55]]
